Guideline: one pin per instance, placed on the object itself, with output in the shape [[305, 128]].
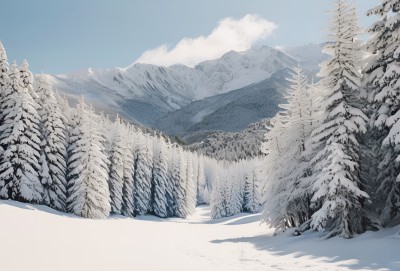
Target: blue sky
[[58, 36]]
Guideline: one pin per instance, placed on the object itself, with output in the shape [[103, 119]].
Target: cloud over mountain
[[229, 34]]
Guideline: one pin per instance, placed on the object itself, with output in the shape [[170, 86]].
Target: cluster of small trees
[[234, 146], [237, 188], [333, 151], [74, 160]]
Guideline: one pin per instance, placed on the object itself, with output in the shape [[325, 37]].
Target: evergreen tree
[[27, 82], [274, 188], [20, 140], [180, 179], [4, 79], [142, 177], [5, 85], [116, 171], [53, 147], [252, 196], [218, 197], [338, 196], [160, 178], [128, 204], [170, 184], [190, 196], [87, 189], [382, 84], [201, 182], [234, 186], [287, 194]]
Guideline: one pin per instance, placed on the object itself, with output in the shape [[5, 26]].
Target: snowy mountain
[[225, 94], [230, 112], [146, 92]]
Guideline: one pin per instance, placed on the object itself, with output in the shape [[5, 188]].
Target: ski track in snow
[[39, 238]]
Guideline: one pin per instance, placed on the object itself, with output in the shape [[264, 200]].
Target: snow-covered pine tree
[[274, 188], [87, 188], [272, 146], [209, 167], [53, 151], [338, 196], [179, 175], [4, 88], [170, 185], [288, 196], [218, 196], [128, 204], [298, 109], [116, 170], [190, 196], [65, 109], [20, 140], [142, 177], [27, 82], [160, 178], [234, 186], [195, 167], [4, 79], [201, 182], [252, 195], [382, 84]]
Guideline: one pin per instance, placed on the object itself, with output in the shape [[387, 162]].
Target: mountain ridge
[[212, 93]]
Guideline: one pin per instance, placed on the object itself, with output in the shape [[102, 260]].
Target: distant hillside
[[234, 146]]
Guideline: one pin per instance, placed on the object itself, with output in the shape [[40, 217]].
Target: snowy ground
[[38, 238]]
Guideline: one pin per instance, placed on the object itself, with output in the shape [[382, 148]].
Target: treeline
[[234, 146], [74, 160], [77, 161], [333, 152]]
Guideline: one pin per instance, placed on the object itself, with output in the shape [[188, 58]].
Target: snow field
[[39, 238]]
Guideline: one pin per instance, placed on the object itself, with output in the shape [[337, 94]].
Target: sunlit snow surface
[[38, 238]]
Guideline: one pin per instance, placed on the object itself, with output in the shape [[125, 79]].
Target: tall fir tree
[[27, 82], [252, 195], [160, 178], [179, 176], [285, 189], [87, 188], [53, 152], [338, 196], [190, 196], [202, 195], [142, 177], [5, 85], [218, 202], [20, 140], [128, 204], [4, 70], [116, 171], [382, 84], [170, 184]]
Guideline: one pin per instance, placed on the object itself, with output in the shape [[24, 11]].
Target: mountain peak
[[145, 91]]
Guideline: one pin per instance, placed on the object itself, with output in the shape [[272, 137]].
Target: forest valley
[[330, 158]]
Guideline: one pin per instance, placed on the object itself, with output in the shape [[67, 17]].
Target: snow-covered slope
[[37, 238], [146, 92]]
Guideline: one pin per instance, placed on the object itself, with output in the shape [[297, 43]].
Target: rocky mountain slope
[[225, 94], [146, 92]]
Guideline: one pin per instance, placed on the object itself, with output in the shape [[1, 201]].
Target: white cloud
[[230, 34], [280, 47]]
